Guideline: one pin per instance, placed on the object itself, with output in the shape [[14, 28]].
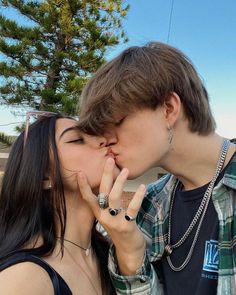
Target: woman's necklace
[[200, 214], [81, 268], [87, 250]]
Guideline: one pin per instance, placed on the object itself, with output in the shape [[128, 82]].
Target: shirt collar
[[229, 178]]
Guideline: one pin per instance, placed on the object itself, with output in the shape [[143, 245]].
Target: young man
[[154, 110]]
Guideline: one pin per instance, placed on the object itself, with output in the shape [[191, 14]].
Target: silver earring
[[47, 184], [170, 135]]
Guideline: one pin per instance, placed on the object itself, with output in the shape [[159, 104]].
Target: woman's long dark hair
[[27, 210]]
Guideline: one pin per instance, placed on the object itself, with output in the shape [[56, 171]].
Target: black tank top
[[59, 285]]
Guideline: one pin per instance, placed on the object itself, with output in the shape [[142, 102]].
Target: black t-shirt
[[200, 275]]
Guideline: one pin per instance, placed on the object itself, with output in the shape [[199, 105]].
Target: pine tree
[[47, 58]]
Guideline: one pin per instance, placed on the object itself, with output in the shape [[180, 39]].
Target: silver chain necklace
[[200, 214]]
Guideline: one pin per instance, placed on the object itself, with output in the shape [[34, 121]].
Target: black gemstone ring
[[129, 218], [114, 211]]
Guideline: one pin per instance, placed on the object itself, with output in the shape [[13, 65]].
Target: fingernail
[[142, 188], [110, 161], [124, 171]]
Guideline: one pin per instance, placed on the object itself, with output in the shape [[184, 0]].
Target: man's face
[[139, 140]]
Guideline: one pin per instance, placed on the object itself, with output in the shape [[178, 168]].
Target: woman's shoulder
[[25, 278]]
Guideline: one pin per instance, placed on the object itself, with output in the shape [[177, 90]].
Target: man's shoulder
[[155, 206], [157, 195], [159, 186], [229, 177]]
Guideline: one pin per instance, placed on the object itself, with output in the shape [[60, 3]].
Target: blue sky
[[204, 30]]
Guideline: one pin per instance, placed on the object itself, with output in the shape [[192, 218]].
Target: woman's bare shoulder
[[25, 278]]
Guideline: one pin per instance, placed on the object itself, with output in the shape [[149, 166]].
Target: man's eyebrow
[[67, 130]]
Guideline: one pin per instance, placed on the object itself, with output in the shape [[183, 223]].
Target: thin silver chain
[[83, 270], [201, 212]]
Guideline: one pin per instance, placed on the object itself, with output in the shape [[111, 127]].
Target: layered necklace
[[199, 216]]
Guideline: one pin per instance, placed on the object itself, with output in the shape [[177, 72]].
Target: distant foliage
[[6, 140], [48, 53]]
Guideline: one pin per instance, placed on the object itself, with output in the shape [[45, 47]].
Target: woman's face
[[80, 152]]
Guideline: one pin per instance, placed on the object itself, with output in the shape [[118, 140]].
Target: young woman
[[48, 238]]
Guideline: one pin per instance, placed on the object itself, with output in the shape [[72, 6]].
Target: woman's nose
[[107, 139], [101, 141]]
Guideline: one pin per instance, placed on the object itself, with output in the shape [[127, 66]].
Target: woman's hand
[[126, 236]]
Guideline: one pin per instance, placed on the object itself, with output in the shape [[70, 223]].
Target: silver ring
[[103, 200], [114, 211], [129, 218]]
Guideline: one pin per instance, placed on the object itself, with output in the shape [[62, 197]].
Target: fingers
[[125, 235], [107, 177], [87, 193], [117, 189], [136, 202], [115, 193]]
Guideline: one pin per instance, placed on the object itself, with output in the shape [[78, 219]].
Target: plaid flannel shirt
[[153, 221]]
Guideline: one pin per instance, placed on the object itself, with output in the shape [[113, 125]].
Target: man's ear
[[172, 108]]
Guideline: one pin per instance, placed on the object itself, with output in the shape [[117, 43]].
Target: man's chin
[[133, 176]]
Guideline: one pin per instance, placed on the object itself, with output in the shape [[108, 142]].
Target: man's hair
[[144, 77]]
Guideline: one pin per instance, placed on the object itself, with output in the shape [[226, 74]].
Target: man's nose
[[110, 138]]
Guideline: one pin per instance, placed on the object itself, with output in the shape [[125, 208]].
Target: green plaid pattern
[[153, 221]]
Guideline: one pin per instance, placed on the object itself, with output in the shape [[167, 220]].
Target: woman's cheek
[[94, 179]]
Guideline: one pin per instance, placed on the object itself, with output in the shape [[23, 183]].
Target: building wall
[[148, 177]]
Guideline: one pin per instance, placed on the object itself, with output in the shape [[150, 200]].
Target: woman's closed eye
[[76, 140]]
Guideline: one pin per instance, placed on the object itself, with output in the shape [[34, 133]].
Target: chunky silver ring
[[129, 218], [103, 200], [114, 211]]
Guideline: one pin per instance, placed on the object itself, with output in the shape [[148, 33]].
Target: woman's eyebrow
[[67, 130]]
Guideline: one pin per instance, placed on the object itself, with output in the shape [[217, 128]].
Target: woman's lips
[[110, 153]]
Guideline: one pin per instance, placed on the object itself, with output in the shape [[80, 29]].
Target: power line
[[10, 124], [170, 21]]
